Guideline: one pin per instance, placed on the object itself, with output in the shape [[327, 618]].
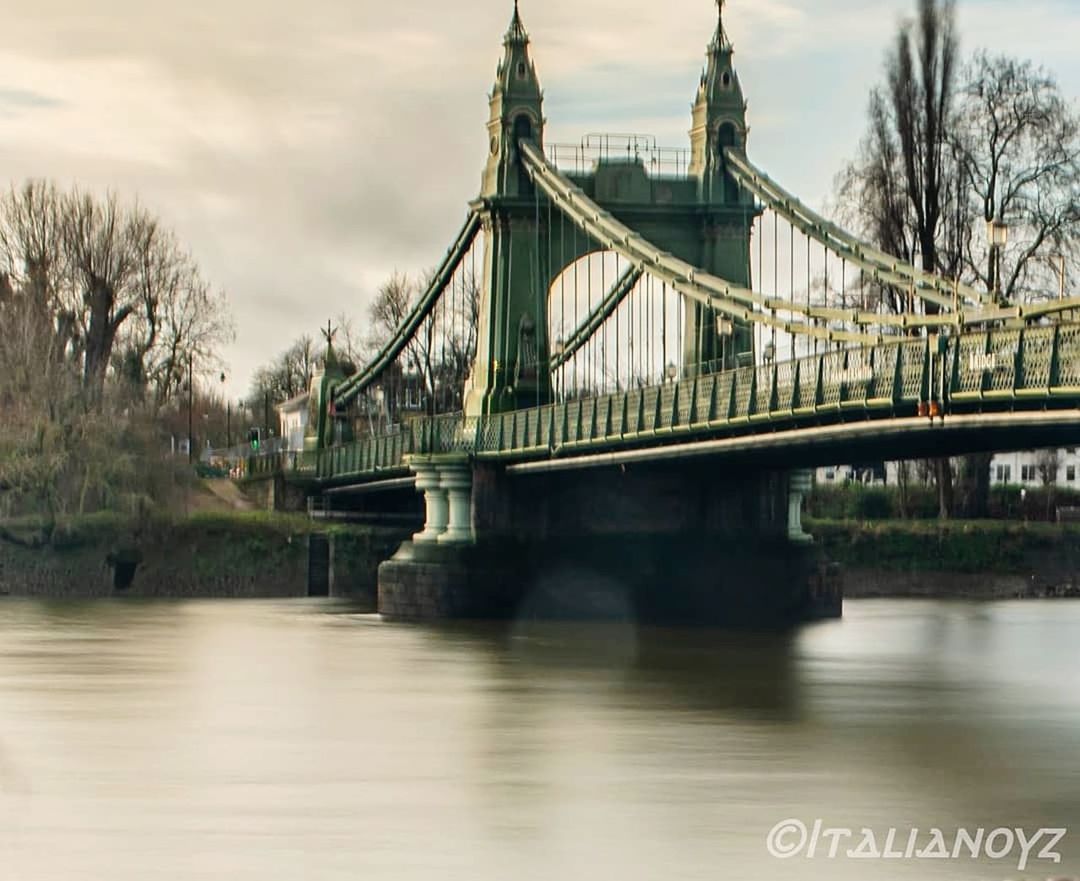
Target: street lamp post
[[190, 408], [997, 233], [228, 418], [1059, 266]]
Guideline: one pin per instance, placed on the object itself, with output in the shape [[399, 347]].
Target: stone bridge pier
[[688, 542]]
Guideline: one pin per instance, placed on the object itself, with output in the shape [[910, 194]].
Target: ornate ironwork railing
[[998, 369]]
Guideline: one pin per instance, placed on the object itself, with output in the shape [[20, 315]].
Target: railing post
[[1054, 379], [925, 385], [819, 380], [1019, 379]]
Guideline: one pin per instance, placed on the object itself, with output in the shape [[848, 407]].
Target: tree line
[[104, 316], [953, 145], [433, 365]]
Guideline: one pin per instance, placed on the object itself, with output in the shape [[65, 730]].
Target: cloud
[[17, 101], [306, 152]]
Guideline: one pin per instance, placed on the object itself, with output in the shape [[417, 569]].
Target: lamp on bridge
[[671, 371], [770, 352], [1058, 262], [997, 233]]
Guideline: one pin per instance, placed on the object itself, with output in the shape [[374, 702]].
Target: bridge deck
[[995, 372]]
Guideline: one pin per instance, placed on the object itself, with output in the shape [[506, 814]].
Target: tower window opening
[[521, 70], [726, 136], [522, 128], [725, 79]]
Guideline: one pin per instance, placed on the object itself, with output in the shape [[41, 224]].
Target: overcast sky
[[304, 151]]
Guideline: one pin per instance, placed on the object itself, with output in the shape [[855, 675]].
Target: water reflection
[[284, 740]]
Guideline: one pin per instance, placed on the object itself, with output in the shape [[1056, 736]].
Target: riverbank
[[227, 555], [260, 555], [984, 559]]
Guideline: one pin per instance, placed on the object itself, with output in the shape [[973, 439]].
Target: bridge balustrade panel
[[832, 370], [634, 419], [882, 386], [590, 419], [726, 400], [487, 434], [786, 385], [1003, 349], [1067, 379], [649, 398], [618, 415], [668, 401], [913, 378], [1037, 356], [763, 390], [688, 396], [706, 398], [970, 373], [743, 394], [545, 428], [857, 377]]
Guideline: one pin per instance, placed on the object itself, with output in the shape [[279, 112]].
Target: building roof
[[300, 402]]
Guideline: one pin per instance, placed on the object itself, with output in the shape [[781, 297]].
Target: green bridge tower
[[700, 216]]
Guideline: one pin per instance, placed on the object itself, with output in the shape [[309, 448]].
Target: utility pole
[[190, 408], [228, 417]]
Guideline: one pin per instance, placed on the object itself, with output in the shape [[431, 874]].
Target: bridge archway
[[611, 328]]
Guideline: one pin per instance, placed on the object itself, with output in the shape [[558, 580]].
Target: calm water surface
[[268, 741]]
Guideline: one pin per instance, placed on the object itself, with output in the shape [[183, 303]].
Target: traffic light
[[255, 439]]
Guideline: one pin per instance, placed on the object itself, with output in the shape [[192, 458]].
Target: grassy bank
[[978, 546]]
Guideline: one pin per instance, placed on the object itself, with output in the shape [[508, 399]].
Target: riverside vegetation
[[202, 555]]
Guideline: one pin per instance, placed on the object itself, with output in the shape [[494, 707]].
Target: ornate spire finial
[[517, 32], [720, 41]]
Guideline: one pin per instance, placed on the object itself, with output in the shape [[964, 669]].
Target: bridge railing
[[581, 159], [884, 377], [1000, 367]]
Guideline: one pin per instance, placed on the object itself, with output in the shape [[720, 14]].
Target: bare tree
[[442, 351], [287, 376], [1018, 141], [903, 191], [102, 242], [92, 296]]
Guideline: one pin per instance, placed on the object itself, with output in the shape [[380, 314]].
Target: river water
[[258, 741]]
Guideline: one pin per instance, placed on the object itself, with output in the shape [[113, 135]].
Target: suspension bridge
[[613, 305]]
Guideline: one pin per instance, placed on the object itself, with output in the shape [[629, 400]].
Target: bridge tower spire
[[719, 116], [510, 369], [719, 122], [517, 111]]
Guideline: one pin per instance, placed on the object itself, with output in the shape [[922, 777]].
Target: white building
[[1025, 468], [293, 417]]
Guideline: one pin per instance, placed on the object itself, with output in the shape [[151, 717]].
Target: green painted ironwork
[[995, 370]]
